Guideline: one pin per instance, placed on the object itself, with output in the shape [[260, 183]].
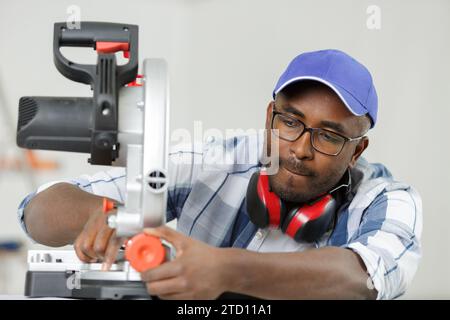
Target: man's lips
[[298, 172]]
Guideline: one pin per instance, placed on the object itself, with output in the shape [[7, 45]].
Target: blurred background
[[224, 59]]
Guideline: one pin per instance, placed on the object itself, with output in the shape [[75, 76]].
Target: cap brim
[[352, 104]]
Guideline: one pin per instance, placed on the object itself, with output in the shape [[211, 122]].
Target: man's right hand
[[97, 242], [64, 214]]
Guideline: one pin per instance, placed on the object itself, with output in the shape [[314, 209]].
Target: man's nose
[[302, 147]]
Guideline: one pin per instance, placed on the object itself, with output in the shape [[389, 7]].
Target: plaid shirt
[[380, 219]]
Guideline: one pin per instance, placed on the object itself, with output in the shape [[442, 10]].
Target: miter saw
[[125, 123]]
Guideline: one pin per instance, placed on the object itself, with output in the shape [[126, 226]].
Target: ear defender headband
[[303, 223]]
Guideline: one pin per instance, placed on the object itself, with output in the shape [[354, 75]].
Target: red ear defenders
[[304, 223]]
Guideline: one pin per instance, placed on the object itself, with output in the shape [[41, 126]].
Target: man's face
[[304, 173]]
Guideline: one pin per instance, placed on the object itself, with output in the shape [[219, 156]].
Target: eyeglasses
[[322, 140]]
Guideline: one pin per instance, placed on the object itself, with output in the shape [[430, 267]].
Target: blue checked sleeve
[[109, 183], [388, 241]]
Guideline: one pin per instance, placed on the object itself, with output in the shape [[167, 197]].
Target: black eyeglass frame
[[311, 132]]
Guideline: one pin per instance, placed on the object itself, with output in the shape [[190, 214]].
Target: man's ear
[[360, 147], [269, 114]]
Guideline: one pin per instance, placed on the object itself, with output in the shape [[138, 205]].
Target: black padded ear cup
[[264, 207], [256, 209], [310, 222]]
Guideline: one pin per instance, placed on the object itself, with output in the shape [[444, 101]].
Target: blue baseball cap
[[347, 77]]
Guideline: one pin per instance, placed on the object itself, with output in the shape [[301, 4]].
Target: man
[[324, 103]]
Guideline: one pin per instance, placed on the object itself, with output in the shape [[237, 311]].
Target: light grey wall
[[224, 59]]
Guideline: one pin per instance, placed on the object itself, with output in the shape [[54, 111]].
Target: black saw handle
[[89, 35]]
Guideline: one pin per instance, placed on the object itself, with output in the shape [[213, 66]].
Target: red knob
[[108, 205], [144, 252]]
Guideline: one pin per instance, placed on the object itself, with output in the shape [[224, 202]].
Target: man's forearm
[[57, 215], [326, 273]]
